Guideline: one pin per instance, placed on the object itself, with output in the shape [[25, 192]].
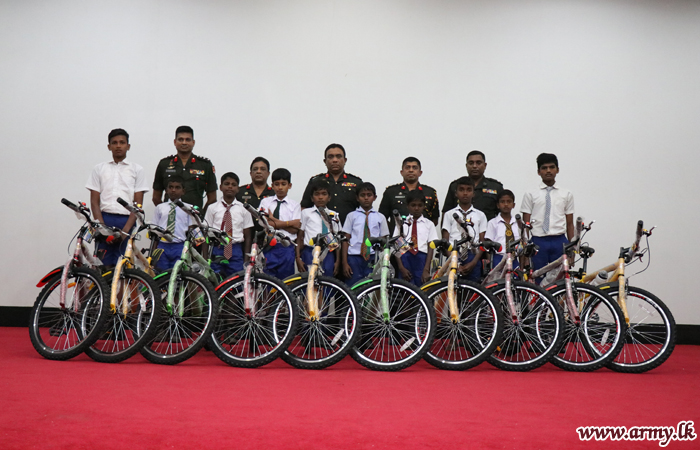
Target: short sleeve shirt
[[343, 193], [240, 218], [535, 202], [182, 220], [395, 198], [496, 231], [355, 226], [114, 180], [425, 231], [455, 229], [312, 224], [485, 197], [198, 174], [289, 210]]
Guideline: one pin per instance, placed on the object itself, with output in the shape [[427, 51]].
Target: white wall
[[610, 86]]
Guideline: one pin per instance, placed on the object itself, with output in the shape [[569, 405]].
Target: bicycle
[[190, 304], [469, 320], [258, 316], [533, 319], [593, 322], [329, 317], [133, 312], [398, 323], [69, 314], [650, 336]]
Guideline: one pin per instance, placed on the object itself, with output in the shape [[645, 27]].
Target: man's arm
[[157, 197], [570, 226], [247, 240], [211, 199], [300, 245], [138, 198], [526, 217], [306, 198]]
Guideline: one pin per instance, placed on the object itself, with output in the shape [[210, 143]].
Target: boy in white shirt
[[108, 182], [414, 265], [314, 221], [360, 224], [285, 215], [503, 228], [550, 210], [230, 215], [169, 217], [470, 264]]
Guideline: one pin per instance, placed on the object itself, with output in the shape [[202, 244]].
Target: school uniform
[[355, 226], [480, 223], [280, 259], [312, 225], [232, 218], [548, 207], [166, 214], [114, 180], [502, 231], [421, 232]]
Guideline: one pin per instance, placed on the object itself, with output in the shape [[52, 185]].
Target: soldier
[[486, 190], [196, 171], [258, 188], [342, 184], [395, 195]]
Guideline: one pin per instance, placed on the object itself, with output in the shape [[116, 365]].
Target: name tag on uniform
[[246, 197], [401, 197], [489, 191], [196, 172]]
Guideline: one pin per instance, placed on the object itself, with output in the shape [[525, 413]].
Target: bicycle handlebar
[[487, 245]]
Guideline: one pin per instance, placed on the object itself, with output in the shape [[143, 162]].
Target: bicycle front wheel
[[398, 338], [328, 338], [597, 338], [466, 342], [257, 336], [651, 334], [184, 326], [534, 335], [63, 332], [125, 334]]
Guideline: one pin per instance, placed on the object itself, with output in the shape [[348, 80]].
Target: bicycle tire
[[125, 335], [598, 338], [651, 334], [468, 342], [179, 336], [58, 333], [536, 337], [323, 342], [405, 338], [255, 339]]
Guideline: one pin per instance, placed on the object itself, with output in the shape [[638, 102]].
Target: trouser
[[415, 264], [113, 251], [550, 249], [360, 269], [280, 261], [172, 251], [235, 262]]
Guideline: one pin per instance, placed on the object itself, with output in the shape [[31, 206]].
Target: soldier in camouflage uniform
[[395, 195], [197, 172], [342, 184], [486, 190]]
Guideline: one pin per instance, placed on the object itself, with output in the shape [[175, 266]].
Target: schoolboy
[[109, 181], [230, 215], [360, 224], [414, 265], [285, 215], [550, 210], [503, 228], [470, 264], [169, 217], [314, 221]]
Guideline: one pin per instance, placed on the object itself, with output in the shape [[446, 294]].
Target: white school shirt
[[496, 231], [425, 229], [311, 223], [355, 226], [182, 220], [289, 210], [534, 203], [113, 180], [240, 218], [477, 217]]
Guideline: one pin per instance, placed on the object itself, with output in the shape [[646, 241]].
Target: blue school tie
[[324, 227], [547, 209]]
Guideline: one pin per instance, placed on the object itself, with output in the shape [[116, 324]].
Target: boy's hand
[[300, 265], [347, 270], [405, 273], [426, 276], [466, 268]]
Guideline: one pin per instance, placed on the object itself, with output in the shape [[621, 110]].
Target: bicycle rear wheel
[[62, 332], [651, 334], [468, 342], [401, 339], [535, 336], [256, 337], [597, 339], [184, 328], [329, 338], [125, 334]]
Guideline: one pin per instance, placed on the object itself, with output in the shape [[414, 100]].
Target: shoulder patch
[[202, 158], [317, 175]]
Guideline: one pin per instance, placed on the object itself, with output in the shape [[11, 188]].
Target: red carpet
[[203, 403]]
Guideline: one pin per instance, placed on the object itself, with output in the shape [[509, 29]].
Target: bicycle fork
[[451, 278], [573, 307], [509, 288], [384, 285], [312, 291]]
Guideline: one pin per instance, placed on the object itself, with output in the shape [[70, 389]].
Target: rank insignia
[[196, 172]]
